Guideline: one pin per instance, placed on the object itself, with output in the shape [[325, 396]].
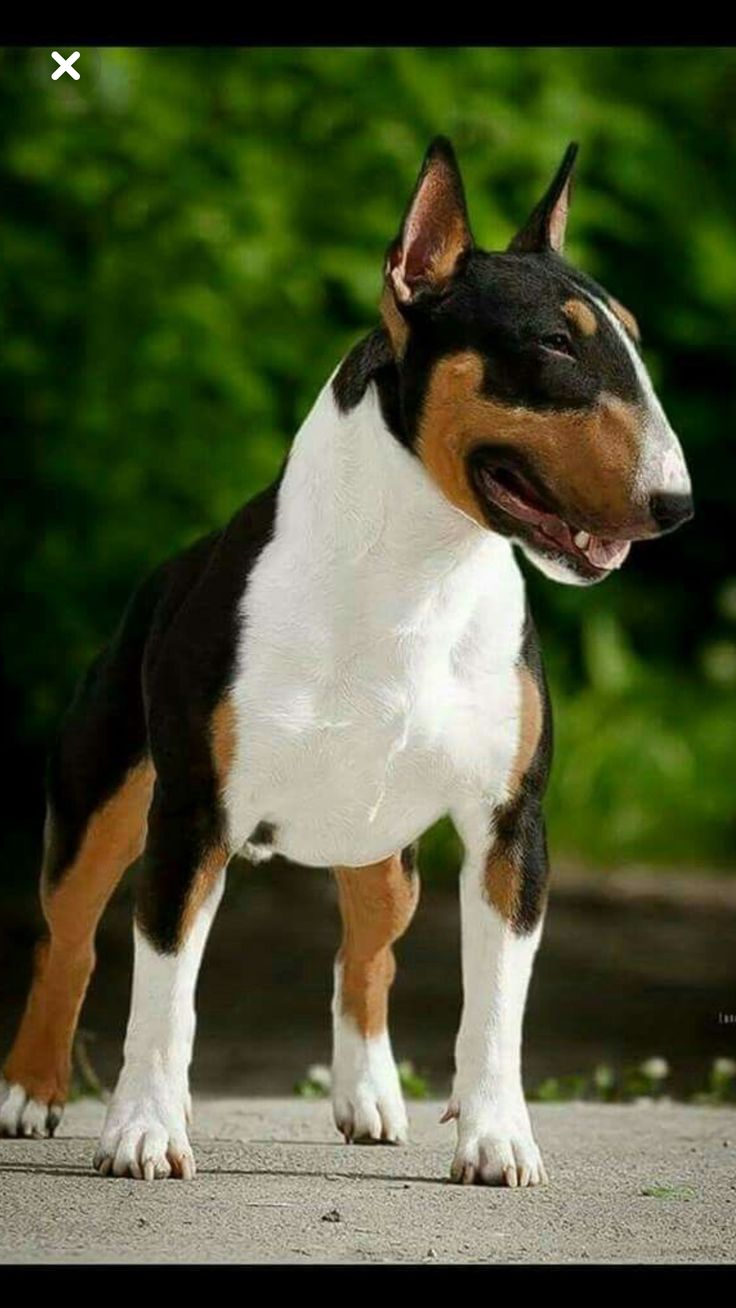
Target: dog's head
[[522, 386]]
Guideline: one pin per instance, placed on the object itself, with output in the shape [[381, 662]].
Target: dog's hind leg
[[376, 904], [38, 1068], [99, 787]]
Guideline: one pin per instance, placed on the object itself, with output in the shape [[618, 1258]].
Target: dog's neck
[[358, 508]]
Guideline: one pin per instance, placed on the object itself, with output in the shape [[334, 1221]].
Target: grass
[[646, 1082], [644, 755], [683, 1192]]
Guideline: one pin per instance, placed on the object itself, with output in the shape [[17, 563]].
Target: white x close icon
[[66, 66]]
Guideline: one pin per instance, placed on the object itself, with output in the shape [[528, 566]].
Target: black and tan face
[[523, 390]]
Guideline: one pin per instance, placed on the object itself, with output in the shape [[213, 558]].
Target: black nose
[[670, 510]]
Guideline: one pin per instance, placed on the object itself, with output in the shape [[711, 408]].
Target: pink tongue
[[606, 553], [601, 553]]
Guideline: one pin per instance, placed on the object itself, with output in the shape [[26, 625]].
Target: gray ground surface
[[275, 1185]]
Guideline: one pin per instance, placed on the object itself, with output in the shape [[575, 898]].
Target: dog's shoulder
[[193, 635]]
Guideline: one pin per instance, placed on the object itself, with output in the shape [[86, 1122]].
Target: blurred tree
[[190, 240]]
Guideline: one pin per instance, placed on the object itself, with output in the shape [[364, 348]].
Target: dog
[[348, 660]]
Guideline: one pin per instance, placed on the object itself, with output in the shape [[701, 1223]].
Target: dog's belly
[[335, 808], [350, 776]]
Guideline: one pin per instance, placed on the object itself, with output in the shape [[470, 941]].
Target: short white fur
[[366, 1093], [380, 626], [145, 1134], [662, 467]]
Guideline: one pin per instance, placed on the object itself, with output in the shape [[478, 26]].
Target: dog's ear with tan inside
[[433, 243], [544, 229]]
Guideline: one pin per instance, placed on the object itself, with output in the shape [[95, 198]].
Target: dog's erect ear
[[545, 227], [435, 233]]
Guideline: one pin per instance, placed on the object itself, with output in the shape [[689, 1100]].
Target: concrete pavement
[[628, 1183]]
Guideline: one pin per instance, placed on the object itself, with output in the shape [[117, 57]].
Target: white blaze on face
[[662, 465]]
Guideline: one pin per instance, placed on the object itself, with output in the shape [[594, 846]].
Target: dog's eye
[[558, 343]]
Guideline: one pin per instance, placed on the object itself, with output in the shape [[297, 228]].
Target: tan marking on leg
[[626, 318], [502, 886], [377, 903], [502, 881], [587, 458], [582, 316], [40, 1059], [223, 739], [203, 883], [531, 718]]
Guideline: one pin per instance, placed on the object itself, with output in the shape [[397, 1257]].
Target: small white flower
[[603, 1077], [655, 1069], [725, 1068], [319, 1075]]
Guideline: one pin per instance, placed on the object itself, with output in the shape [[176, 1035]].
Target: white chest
[[376, 681]]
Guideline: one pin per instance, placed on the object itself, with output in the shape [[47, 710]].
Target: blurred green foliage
[[190, 240]]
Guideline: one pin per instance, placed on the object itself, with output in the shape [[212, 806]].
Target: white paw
[[21, 1116], [145, 1136], [366, 1095], [497, 1149]]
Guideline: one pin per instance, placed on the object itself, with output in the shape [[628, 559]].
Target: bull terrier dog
[[349, 659]]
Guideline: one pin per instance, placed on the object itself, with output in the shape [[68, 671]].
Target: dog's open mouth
[[512, 502]]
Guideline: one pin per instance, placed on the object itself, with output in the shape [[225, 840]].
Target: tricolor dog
[[349, 659]]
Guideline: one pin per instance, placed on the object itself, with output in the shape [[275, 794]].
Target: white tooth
[[582, 540]]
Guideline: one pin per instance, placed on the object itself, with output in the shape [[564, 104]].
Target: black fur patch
[[372, 361], [188, 665], [152, 692], [409, 858], [503, 307], [263, 834], [103, 733]]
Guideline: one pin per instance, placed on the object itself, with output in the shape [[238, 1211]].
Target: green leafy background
[[190, 239]]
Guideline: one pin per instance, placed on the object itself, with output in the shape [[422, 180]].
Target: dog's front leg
[[376, 904], [503, 889]]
